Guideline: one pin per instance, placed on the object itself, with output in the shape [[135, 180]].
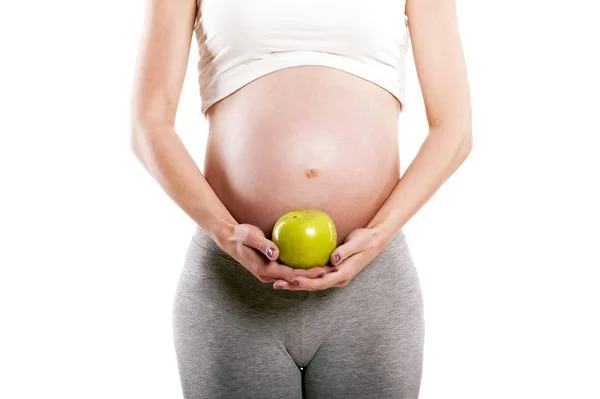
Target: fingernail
[[321, 275], [270, 252], [337, 258], [296, 282], [279, 287], [335, 269]]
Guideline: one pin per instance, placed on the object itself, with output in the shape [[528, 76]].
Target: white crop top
[[241, 40]]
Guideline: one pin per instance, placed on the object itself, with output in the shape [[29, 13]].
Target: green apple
[[305, 238]]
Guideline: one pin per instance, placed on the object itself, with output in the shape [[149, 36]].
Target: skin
[[339, 154]]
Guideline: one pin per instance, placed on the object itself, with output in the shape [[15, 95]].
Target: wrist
[[381, 236], [383, 230], [221, 229]]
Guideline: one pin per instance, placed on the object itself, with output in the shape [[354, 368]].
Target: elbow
[[466, 145], [138, 136], [460, 141], [143, 127], [143, 134], [140, 123], [135, 139], [459, 134]]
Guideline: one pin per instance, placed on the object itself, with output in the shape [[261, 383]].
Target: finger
[[254, 237], [278, 271], [299, 272], [315, 272], [282, 285], [308, 284], [356, 244], [330, 268]]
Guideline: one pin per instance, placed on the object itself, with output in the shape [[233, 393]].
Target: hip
[[211, 273]]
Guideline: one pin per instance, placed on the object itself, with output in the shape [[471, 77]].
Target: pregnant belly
[[304, 138]]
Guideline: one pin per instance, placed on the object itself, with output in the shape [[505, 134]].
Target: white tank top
[[241, 40]]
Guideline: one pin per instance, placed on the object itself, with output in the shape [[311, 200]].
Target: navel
[[310, 173]]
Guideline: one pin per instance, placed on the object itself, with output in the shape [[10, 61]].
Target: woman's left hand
[[360, 247]]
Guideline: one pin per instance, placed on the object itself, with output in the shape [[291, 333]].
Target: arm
[[160, 71], [442, 76]]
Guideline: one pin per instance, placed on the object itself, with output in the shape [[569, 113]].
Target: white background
[[91, 247]]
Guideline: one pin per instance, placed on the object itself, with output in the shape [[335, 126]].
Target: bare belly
[[306, 137]]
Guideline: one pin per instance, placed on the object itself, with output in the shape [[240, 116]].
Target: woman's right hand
[[248, 245]]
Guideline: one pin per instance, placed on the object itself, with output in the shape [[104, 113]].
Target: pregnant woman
[[302, 101]]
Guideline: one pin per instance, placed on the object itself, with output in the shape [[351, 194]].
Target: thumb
[[357, 241], [254, 237]]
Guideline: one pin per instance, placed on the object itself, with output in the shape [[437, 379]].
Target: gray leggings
[[236, 337]]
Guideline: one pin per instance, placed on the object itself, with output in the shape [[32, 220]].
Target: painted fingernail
[[321, 275], [279, 287], [337, 258], [335, 269], [296, 282], [270, 252]]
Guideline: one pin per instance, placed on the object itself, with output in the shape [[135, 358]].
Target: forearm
[[442, 152], [164, 156]]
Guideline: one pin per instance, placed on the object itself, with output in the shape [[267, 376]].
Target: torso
[[307, 137]]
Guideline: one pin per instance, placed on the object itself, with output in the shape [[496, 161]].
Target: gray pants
[[236, 337]]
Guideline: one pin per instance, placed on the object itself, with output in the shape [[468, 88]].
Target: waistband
[[202, 239]]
